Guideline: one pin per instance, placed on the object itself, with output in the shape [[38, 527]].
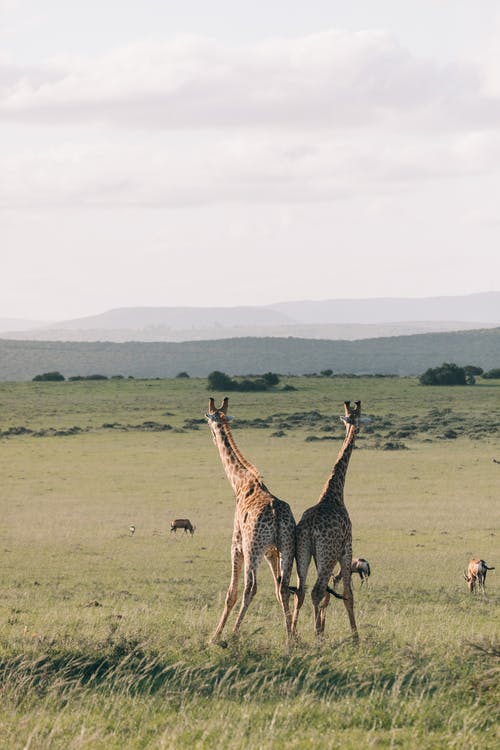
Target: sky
[[159, 153]]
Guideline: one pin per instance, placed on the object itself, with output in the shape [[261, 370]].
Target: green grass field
[[104, 635]]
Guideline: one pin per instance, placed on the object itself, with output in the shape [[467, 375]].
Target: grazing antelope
[[476, 572], [360, 566], [182, 523], [131, 528], [264, 526]]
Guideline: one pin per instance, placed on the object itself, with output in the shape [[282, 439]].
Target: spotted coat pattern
[[264, 526], [324, 534]]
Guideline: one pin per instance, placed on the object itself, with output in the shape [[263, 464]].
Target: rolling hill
[[400, 355]]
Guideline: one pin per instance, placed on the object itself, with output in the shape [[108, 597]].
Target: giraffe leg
[[273, 559], [232, 592], [322, 612], [248, 593], [348, 595], [286, 565], [281, 568], [320, 599], [303, 559]]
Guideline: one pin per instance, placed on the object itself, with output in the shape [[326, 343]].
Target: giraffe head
[[216, 417], [351, 414], [213, 414]]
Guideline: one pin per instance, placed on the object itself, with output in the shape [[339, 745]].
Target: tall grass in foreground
[[118, 694]]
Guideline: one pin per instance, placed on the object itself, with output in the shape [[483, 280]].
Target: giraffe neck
[[333, 491], [238, 470]]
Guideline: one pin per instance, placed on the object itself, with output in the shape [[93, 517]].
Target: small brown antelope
[[360, 566], [182, 523], [476, 572]]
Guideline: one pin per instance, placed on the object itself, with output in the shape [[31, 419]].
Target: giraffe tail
[[334, 593]]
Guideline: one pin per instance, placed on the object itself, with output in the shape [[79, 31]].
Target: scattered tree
[[92, 377], [270, 378], [219, 381], [447, 374], [51, 376]]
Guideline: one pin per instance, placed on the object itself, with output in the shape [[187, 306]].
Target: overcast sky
[[195, 153]]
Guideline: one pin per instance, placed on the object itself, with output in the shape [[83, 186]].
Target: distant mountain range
[[345, 319]]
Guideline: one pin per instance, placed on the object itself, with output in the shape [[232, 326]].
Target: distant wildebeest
[[476, 573], [182, 523], [360, 566]]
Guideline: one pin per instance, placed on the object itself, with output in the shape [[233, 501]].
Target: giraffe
[[324, 533], [264, 526]]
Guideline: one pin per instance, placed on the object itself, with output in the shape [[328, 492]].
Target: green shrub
[[270, 378], [52, 376], [219, 381], [447, 374], [92, 377]]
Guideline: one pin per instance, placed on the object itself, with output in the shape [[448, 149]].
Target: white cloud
[[244, 167], [333, 79], [324, 117]]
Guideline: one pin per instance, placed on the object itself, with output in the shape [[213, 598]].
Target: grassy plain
[[103, 635]]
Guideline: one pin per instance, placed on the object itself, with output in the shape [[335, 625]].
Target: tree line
[[448, 373], [451, 374]]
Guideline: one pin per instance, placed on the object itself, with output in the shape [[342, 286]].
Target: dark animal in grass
[[182, 523]]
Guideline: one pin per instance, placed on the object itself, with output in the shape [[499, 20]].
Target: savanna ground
[[104, 636]]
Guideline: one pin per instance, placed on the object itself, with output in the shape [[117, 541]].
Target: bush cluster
[[49, 376], [56, 376], [452, 374], [88, 377], [219, 381], [447, 374]]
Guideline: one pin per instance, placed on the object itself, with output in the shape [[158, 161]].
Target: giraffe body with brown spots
[[324, 534], [264, 526]]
